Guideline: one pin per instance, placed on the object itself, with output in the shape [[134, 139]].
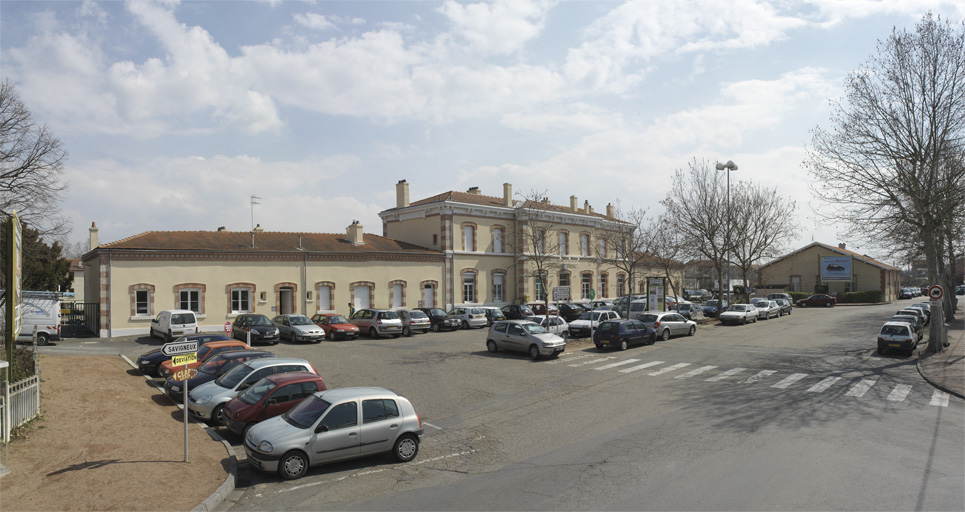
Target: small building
[[816, 265]]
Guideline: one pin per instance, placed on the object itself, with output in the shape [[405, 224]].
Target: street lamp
[[729, 166]]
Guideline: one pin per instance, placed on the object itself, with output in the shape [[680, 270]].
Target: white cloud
[[500, 27], [313, 21]]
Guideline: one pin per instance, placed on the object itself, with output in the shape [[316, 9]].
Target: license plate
[[895, 345], [605, 342]]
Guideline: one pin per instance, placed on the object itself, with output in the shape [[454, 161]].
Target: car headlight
[[265, 446], [201, 400], [274, 331], [339, 330]]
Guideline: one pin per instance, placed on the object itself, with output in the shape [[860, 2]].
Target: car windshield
[[525, 310], [388, 315], [894, 330], [235, 375], [307, 412], [477, 311], [761, 305], [251, 395], [608, 327], [301, 320], [212, 366], [417, 314], [337, 319], [684, 307], [589, 315], [183, 318], [738, 307], [534, 329], [711, 303], [647, 318], [259, 320], [437, 312]]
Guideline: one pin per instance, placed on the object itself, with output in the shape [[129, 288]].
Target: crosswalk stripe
[[859, 389], [820, 387], [899, 393], [758, 376], [640, 366], [790, 379], [669, 369], [591, 361], [728, 373], [939, 398], [698, 371], [614, 365]]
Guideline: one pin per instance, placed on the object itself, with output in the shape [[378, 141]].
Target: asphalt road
[[794, 413]]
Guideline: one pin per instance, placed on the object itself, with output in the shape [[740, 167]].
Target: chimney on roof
[[474, 191], [401, 194], [355, 233], [508, 195], [586, 206], [589, 209], [93, 236], [609, 209], [220, 228], [842, 246], [258, 228], [574, 204]]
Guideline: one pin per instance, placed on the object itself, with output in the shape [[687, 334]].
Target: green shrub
[[861, 297], [799, 295]]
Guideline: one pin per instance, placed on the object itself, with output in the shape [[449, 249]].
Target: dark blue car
[[150, 362], [714, 307], [623, 333]]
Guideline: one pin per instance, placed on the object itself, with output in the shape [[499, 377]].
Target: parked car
[[622, 333], [594, 304], [205, 352], [149, 363], [333, 425], [714, 307], [210, 370], [469, 316], [912, 321], [335, 326], [583, 326], [40, 312], [914, 311], [170, 324], [623, 299], [541, 308], [524, 336], [260, 327], [926, 308], [668, 324], [269, 397], [767, 309], [896, 335], [413, 321], [493, 314], [377, 322], [439, 320], [739, 314], [298, 328], [818, 299], [637, 308], [776, 296], [905, 293], [207, 400], [554, 324], [960, 289], [671, 302], [571, 312], [697, 295], [517, 311]]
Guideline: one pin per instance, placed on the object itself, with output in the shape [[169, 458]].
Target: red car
[[336, 326], [818, 299], [269, 397]]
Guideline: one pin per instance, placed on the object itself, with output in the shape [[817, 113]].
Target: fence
[[19, 403]]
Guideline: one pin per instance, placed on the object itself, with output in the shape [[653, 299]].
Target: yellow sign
[[185, 359]]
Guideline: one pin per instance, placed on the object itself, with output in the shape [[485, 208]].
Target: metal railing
[[19, 403]]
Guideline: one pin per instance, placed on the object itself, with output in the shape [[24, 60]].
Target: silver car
[[470, 317], [524, 336], [334, 425], [668, 324], [298, 328], [767, 309], [739, 314], [377, 322], [413, 321], [207, 401]]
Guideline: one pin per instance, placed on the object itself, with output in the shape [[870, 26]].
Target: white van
[[42, 313], [172, 323]]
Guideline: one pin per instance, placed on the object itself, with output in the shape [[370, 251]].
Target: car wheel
[[743, 321], [465, 324], [693, 330], [803, 304], [435, 327], [406, 331], [373, 333], [491, 346], [43, 338], [665, 335], [653, 338], [244, 431], [331, 335], [624, 344], [827, 304], [881, 351], [217, 416], [599, 346], [406, 448], [168, 338], [396, 336], [292, 465], [533, 352]]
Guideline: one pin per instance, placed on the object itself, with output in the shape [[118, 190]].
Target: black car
[[517, 311], [150, 362], [835, 267], [570, 312], [212, 369], [623, 333], [439, 320], [493, 315], [686, 309], [262, 330], [714, 307]]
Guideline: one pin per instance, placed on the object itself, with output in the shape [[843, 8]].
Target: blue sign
[[835, 269]]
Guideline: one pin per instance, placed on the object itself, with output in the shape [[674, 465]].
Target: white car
[[524, 336], [739, 314], [668, 323], [554, 324], [583, 326], [470, 317]]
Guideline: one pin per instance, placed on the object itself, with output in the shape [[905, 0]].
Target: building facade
[[800, 271]]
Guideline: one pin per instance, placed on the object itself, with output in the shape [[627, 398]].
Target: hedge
[[863, 297]]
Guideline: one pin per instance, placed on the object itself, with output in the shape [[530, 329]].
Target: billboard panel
[[835, 269]]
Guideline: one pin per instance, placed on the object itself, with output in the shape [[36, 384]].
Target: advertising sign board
[[835, 269]]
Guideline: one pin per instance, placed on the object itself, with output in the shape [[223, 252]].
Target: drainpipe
[[305, 289], [452, 258]]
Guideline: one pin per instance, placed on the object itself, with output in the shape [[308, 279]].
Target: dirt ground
[[108, 441]]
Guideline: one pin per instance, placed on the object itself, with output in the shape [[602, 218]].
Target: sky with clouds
[[175, 113]]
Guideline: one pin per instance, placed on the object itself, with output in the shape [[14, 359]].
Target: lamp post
[[729, 166]]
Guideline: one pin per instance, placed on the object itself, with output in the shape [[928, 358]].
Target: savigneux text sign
[[178, 348]]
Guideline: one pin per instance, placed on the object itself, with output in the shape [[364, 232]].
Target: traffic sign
[[935, 292], [227, 328], [181, 347], [185, 359], [561, 292]]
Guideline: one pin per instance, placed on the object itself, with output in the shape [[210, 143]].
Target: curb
[[934, 384], [218, 496]]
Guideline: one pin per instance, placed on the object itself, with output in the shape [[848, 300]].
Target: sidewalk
[[946, 370]]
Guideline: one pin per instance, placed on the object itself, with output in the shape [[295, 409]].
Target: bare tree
[[762, 222], [884, 164], [31, 166], [627, 244], [534, 241], [669, 247]]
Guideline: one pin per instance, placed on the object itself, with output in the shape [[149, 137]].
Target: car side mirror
[[244, 386], [321, 428]]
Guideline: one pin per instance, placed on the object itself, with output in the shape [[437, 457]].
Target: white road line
[[899, 393], [564, 360], [759, 376], [822, 386], [790, 379], [641, 366], [591, 361], [669, 369], [939, 398], [859, 389], [698, 371], [614, 365], [728, 373], [426, 423]]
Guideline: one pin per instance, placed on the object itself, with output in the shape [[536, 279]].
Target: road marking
[[426, 423], [641, 366], [790, 379], [669, 369], [728, 373], [859, 389], [822, 386], [614, 365], [563, 360], [591, 361], [939, 398], [899, 393], [758, 377], [698, 371]]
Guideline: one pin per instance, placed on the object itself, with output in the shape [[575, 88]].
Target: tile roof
[[265, 241], [860, 257], [466, 197]]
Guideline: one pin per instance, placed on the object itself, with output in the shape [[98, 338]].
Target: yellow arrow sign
[[185, 359]]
